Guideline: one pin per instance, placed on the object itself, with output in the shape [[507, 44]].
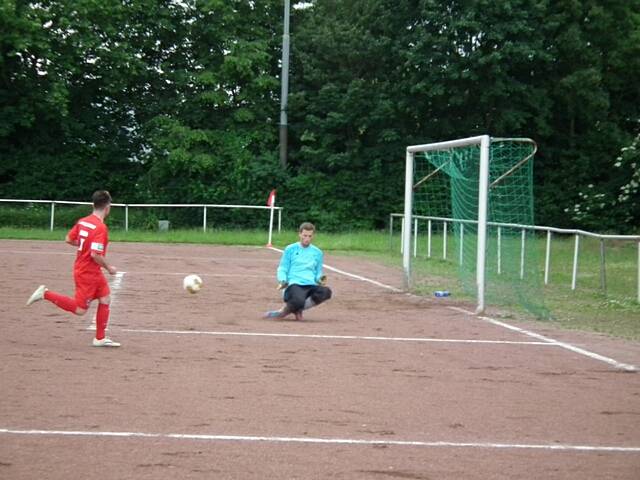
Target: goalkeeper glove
[[282, 285], [323, 280]]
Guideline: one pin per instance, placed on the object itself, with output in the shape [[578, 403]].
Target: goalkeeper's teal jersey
[[300, 265]]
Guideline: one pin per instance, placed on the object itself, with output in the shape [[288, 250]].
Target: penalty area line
[[335, 337], [325, 441]]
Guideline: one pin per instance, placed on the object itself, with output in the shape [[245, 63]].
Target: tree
[[217, 143], [595, 45]]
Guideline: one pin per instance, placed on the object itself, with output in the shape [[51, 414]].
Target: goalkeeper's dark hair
[[101, 198], [307, 226]]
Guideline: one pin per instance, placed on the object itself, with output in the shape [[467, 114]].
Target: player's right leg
[[295, 296]]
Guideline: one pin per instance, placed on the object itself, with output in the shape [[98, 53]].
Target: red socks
[[69, 304], [65, 303], [102, 318]]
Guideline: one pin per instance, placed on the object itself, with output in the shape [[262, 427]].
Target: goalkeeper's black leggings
[[296, 295]]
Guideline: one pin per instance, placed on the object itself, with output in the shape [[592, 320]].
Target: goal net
[[469, 207]]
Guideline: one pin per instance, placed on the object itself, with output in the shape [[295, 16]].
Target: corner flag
[[271, 201]]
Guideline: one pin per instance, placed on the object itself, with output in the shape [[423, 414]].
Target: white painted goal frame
[[484, 141]]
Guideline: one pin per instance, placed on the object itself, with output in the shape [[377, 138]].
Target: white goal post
[[484, 142]]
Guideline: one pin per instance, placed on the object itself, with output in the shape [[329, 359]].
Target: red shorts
[[89, 288]]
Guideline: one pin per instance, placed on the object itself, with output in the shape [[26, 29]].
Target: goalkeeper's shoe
[[105, 342], [37, 295], [273, 314]]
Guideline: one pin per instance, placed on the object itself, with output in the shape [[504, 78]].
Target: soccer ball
[[192, 283]]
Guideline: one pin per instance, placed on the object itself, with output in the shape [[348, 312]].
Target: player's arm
[[282, 273], [321, 279], [98, 252], [72, 236], [71, 241], [102, 261]]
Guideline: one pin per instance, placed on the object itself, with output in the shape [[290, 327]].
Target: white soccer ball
[[192, 283]]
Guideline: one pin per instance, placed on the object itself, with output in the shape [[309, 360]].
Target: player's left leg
[[316, 296], [102, 315], [63, 302]]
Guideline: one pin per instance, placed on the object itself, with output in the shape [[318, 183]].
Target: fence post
[[461, 241], [499, 250], [204, 219], [603, 266], [522, 242], [126, 217], [415, 237], [547, 258], [429, 239], [279, 219], [444, 241], [390, 232], [575, 262], [53, 209]]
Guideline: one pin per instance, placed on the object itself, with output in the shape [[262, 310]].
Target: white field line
[[35, 252], [234, 260], [618, 365], [204, 274], [596, 356], [330, 441], [332, 337]]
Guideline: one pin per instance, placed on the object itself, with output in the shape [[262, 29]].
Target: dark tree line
[[178, 101]]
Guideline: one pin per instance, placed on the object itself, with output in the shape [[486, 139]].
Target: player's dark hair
[[101, 199], [307, 226]]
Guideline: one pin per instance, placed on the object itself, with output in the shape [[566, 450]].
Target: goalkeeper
[[300, 275]]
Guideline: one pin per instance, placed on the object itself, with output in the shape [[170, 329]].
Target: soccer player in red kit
[[91, 236]]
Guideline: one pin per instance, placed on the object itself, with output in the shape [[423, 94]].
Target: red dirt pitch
[[373, 384]]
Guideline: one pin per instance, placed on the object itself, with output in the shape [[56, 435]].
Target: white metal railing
[[549, 230], [149, 205]]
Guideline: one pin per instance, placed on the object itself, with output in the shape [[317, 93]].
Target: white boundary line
[[204, 274], [333, 337], [595, 356], [315, 440], [619, 365]]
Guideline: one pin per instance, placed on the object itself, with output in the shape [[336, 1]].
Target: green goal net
[[446, 205]]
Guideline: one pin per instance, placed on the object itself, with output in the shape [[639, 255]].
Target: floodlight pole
[[284, 81]]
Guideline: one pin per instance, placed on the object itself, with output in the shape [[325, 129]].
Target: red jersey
[[92, 236]]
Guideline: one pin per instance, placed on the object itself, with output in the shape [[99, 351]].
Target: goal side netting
[[469, 204]]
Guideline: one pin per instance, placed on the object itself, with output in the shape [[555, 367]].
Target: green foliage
[[615, 203]]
